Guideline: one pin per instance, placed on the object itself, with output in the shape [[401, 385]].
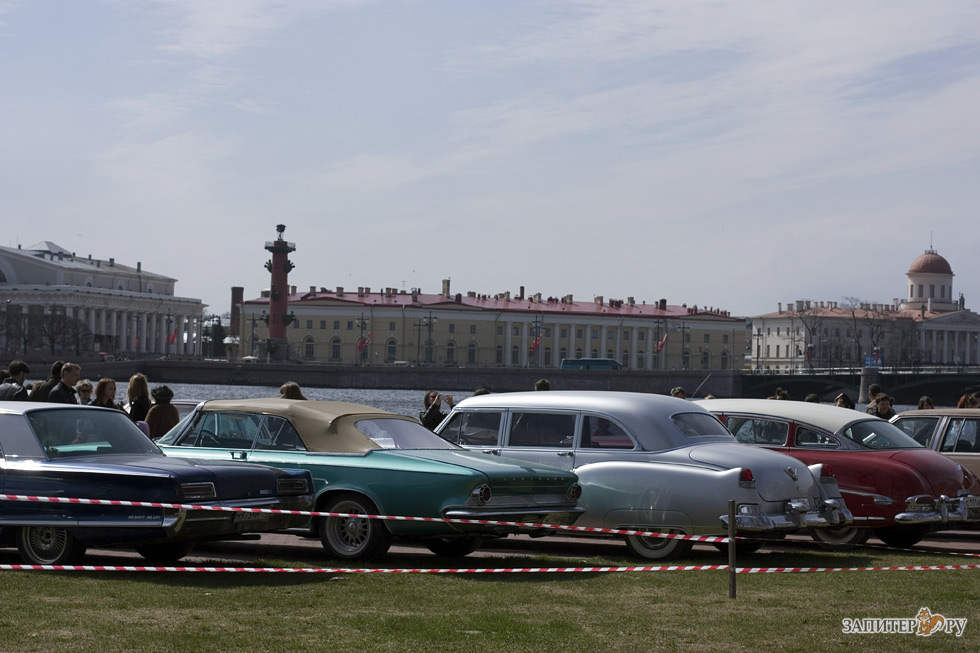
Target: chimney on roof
[[780, 304], [312, 290], [521, 296], [292, 290], [599, 300], [631, 301], [445, 288], [507, 296], [340, 291], [663, 305], [360, 291], [415, 295], [112, 262], [459, 298]]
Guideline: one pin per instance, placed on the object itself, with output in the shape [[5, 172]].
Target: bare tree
[[867, 317], [810, 316]]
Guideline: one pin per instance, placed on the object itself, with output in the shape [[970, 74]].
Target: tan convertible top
[[323, 425]]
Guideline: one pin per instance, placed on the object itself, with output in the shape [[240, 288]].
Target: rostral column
[[277, 347]]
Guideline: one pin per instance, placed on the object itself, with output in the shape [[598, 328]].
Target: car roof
[[595, 400], [323, 425], [826, 416], [938, 412]]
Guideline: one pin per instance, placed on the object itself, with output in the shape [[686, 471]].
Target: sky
[[724, 154]]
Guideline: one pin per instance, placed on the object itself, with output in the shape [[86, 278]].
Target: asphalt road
[[271, 549]]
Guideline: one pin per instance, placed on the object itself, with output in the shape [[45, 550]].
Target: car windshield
[[171, 435], [88, 432], [400, 434], [879, 434]]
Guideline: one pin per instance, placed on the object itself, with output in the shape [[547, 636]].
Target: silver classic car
[[649, 462]]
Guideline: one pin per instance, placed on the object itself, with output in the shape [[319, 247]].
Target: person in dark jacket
[[138, 396], [41, 393], [64, 391], [163, 415], [12, 388], [432, 415]]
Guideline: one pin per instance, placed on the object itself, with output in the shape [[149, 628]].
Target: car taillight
[[826, 472], [197, 491], [481, 493], [745, 478], [574, 492], [289, 486]]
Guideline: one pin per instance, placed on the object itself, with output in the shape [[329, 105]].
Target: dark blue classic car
[[56, 450]]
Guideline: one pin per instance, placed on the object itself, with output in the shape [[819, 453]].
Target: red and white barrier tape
[[342, 570], [484, 522], [503, 570]]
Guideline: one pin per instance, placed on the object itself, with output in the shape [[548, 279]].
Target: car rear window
[[88, 432], [696, 425], [400, 434]]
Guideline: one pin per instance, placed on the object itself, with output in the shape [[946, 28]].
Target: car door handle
[[495, 452], [564, 453], [238, 455]]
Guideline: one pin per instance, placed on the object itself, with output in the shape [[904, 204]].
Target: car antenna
[[699, 387]]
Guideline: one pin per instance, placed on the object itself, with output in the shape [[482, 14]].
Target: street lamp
[[682, 327], [424, 323], [361, 347]]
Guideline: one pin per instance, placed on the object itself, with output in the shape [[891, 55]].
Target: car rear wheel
[[657, 548], [900, 536], [840, 539], [354, 538], [454, 547], [164, 552], [48, 545]]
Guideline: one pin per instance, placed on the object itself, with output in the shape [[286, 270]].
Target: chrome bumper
[[798, 514], [563, 516], [922, 509]]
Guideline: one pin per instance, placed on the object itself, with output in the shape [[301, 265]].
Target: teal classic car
[[369, 461]]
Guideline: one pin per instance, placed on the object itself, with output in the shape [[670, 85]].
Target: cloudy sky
[[725, 154]]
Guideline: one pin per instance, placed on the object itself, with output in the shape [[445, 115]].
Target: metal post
[[731, 549]]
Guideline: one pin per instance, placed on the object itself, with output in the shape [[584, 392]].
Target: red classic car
[[894, 487]]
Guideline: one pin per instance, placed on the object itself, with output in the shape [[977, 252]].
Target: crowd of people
[[65, 386]]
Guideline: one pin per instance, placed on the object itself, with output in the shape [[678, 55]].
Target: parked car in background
[[653, 463], [895, 487], [60, 450], [953, 432], [369, 461]]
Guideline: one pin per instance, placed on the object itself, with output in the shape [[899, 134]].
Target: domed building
[[930, 284], [931, 326]]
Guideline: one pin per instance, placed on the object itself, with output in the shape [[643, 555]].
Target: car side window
[[810, 439], [204, 432], [277, 434], [756, 430], [602, 433], [542, 430], [919, 429], [961, 435]]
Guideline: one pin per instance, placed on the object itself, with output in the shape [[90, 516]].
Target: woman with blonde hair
[[138, 396]]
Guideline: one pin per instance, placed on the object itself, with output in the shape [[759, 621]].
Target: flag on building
[[662, 343]]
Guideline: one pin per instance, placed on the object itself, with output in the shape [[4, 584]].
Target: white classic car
[[654, 463]]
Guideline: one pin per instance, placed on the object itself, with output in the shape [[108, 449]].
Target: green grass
[[630, 611]]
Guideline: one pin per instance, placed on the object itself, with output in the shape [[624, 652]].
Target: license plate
[[972, 502], [241, 517]]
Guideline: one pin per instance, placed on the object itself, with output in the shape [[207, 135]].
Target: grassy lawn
[[630, 611]]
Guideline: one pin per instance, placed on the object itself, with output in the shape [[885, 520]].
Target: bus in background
[[590, 364]]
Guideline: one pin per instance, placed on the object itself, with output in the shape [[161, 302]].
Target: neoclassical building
[[57, 302], [392, 327], [931, 326]]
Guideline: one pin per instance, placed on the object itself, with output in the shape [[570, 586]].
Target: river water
[[402, 402]]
